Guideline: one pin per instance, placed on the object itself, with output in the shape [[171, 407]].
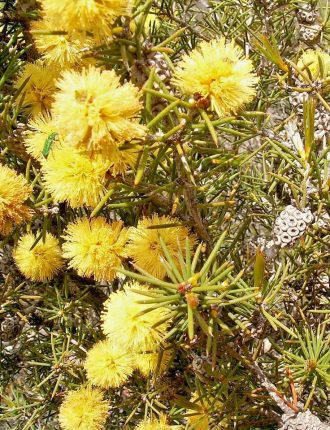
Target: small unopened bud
[[192, 300], [214, 311]]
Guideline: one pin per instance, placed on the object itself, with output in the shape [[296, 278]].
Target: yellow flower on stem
[[42, 128], [84, 409], [130, 325], [107, 365], [94, 112], [75, 178], [14, 191], [43, 261], [87, 16], [145, 247], [123, 160], [37, 95], [156, 424], [148, 362], [62, 50], [219, 72], [95, 248]]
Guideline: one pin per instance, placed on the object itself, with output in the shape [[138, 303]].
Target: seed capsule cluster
[[309, 29], [290, 225], [322, 123], [306, 14], [160, 65], [297, 99]]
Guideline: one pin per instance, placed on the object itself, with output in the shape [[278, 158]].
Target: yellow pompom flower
[[108, 366], [123, 160], [125, 326], [73, 177], [14, 191], [62, 50], [95, 112], [42, 128], [42, 262], [148, 362], [220, 72], [156, 424], [87, 16], [37, 95], [145, 247], [95, 247], [311, 59], [84, 409]]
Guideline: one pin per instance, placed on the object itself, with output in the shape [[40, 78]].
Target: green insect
[[48, 144]]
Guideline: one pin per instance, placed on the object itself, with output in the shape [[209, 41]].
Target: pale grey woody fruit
[[309, 33], [290, 225], [306, 13]]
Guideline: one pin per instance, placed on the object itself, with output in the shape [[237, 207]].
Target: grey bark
[[302, 421]]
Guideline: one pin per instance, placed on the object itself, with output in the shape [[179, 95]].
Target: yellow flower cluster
[[156, 424], [73, 177], [84, 409], [40, 129], [81, 116], [95, 113], [87, 16], [84, 124], [14, 191], [67, 28], [218, 71], [36, 83], [129, 324], [133, 332], [95, 248], [107, 365], [38, 260], [151, 362], [84, 117], [145, 242]]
